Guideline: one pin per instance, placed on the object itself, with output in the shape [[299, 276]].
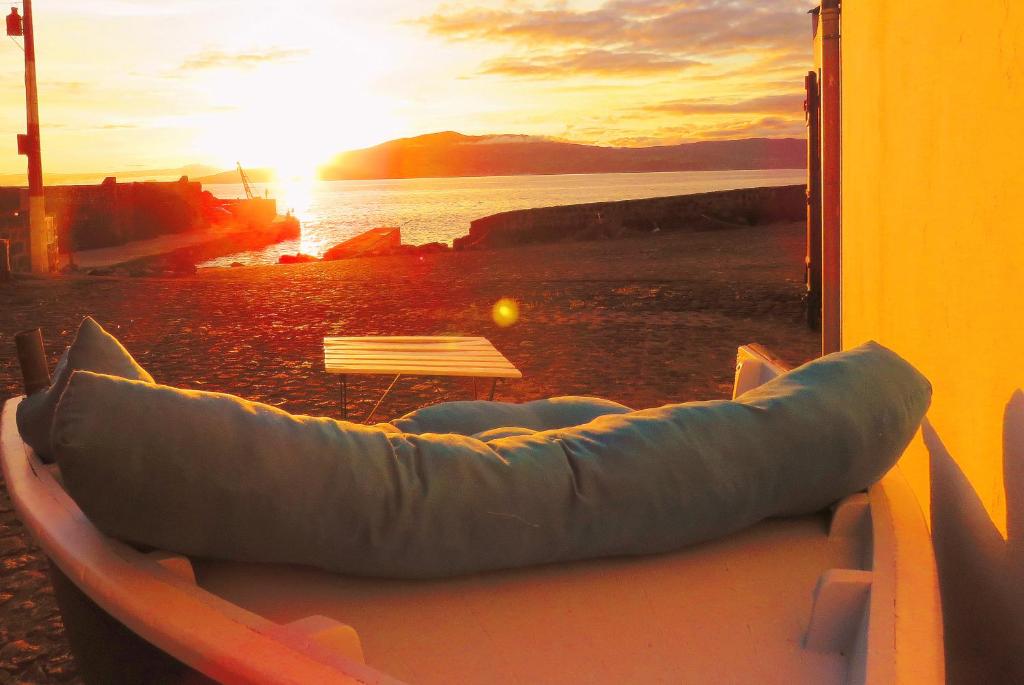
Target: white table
[[414, 356]]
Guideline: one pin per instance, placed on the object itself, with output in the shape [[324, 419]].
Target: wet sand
[[644, 321]]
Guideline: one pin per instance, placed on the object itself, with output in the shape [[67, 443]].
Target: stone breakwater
[[604, 220], [112, 214]]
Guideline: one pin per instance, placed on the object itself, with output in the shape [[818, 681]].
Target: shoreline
[[608, 220], [180, 253], [589, 221]]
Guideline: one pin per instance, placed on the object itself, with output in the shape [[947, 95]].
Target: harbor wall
[[14, 227], [255, 212], [601, 220], [111, 213]]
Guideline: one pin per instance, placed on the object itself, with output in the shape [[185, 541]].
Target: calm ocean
[[440, 209]]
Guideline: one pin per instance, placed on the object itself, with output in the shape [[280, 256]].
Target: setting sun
[[293, 116]]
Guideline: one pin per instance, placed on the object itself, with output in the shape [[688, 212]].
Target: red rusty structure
[[39, 238]]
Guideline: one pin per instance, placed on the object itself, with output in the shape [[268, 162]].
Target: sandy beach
[[643, 321]]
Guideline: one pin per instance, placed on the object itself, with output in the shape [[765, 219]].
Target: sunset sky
[[143, 84]]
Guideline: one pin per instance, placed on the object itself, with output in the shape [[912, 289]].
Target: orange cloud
[[596, 62], [731, 46], [216, 59], [621, 135], [684, 27], [764, 127], [557, 26], [789, 103]]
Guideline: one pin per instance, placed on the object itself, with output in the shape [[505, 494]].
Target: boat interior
[[837, 597]]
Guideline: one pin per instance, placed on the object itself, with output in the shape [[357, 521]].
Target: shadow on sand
[[980, 573]]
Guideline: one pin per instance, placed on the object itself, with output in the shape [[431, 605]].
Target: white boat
[[916, 197], [847, 596]]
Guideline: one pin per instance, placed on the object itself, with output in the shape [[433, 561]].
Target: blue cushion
[[216, 476], [93, 349], [471, 418]]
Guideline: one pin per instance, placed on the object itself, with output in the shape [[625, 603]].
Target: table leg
[[344, 397], [494, 383], [386, 392]]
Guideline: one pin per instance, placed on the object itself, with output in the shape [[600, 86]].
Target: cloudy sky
[[142, 84]]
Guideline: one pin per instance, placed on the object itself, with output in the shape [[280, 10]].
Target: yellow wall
[[933, 266]]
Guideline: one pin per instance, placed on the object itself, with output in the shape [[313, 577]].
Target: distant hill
[[231, 176], [90, 177], [454, 154]]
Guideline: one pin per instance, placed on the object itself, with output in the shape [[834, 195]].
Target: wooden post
[[812, 259], [5, 260], [32, 357]]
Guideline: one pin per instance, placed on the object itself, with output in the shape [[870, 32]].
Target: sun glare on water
[[292, 119]]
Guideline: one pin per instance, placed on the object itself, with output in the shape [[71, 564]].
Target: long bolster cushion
[[216, 476], [94, 350]]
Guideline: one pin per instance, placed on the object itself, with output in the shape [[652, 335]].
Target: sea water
[[441, 209]]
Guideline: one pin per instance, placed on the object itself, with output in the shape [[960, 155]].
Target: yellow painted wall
[[933, 266]]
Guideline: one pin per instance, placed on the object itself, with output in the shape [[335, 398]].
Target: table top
[[417, 356]]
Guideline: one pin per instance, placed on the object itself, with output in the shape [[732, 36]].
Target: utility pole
[[28, 145]]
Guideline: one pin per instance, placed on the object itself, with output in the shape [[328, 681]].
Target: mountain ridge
[[447, 154], [452, 154]]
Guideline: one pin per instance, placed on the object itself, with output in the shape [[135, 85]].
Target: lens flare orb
[[505, 312]]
